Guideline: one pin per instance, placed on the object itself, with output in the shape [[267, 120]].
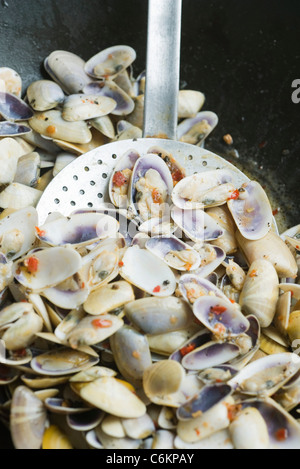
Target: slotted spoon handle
[[163, 68]]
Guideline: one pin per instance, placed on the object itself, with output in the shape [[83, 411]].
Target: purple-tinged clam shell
[[58, 405], [212, 257], [252, 211], [196, 129], [109, 89], [13, 108], [220, 316], [61, 362], [207, 398], [174, 252], [192, 287], [85, 421], [209, 355], [197, 224], [123, 169], [13, 129], [198, 340]]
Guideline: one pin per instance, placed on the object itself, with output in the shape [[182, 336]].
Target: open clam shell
[[85, 421], [69, 294], [192, 287], [266, 375], [206, 189], [13, 108], [62, 361], [211, 258], [196, 129], [67, 69], [47, 268], [109, 89], [220, 317], [196, 224], [59, 405], [144, 270], [207, 398], [78, 230], [252, 211], [282, 428], [174, 252], [209, 355], [13, 129], [110, 62], [196, 341], [150, 187], [119, 182]]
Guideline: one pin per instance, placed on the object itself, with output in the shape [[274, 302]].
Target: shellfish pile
[[168, 319]]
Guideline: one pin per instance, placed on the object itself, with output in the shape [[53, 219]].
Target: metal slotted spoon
[[84, 183]]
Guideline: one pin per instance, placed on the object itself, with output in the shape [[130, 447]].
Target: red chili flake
[[189, 348], [219, 381], [40, 233], [32, 264], [232, 301], [275, 212], [119, 179], [218, 310], [103, 323], [177, 176], [156, 289], [156, 196], [121, 264], [281, 434], [232, 410], [234, 195], [20, 353], [198, 433]]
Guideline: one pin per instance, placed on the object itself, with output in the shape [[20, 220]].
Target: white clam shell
[[196, 224], [51, 267], [67, 69], [10, 152], [147, 272], [51, 124], [189, 103], [206, 189], [44, 95], [126, 162], [174, 252], [110, 62], [17, 196], [11, 80], [80, 107]]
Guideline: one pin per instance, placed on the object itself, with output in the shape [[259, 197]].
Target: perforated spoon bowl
[[84, 183]]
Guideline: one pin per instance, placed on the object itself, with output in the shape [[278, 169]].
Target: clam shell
[[201, 190], [12, 81], [110, 62], [27, 419], [61, 362], [94, 329], [260, 292], [28, 169], [159, 315], [112, 396], [13, 108], [252, 211], [174, 252], [10, 152], [85, 421], [189, 103], [124, 103], [192, 287], [8, 375], [220, 317], [144, 270], [67, 69], [109, 297], [51, 124], [22, 223], [62, 161], [78, 230], [104, 125], [44, 95], [55, 438], [17, 196], [13, 129], [21, 334], [162, 379], [112, 426], [272, 248], [207, 398], [69, 294], [58, 405], [209, 355], [51, 267], [219, 440], [249, 430], [80, 107], [266, 375], [196, 341], [211, 258], [168, 343], [139, 428], [196, 224], [224, 221], [126, 162], [131, 353], [196, 129]]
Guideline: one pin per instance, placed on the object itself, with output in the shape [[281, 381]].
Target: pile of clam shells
[[168, 320]]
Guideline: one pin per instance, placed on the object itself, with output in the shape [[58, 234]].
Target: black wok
[[244, 55]]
